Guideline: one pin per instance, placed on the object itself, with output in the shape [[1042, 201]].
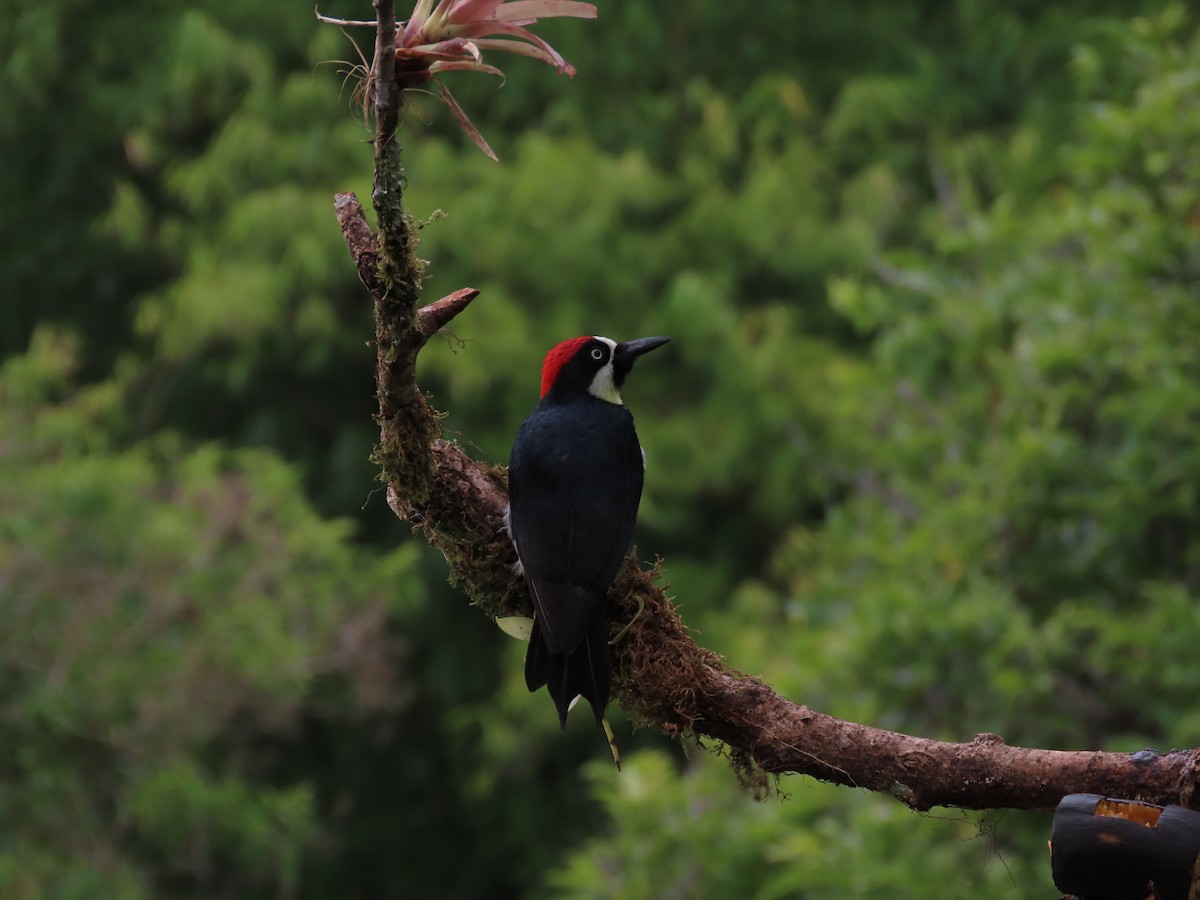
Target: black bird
[[574, 483]]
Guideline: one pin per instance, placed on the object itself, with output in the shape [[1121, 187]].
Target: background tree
[[931, 447]]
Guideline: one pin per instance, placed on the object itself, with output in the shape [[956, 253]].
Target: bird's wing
[[570, 566]]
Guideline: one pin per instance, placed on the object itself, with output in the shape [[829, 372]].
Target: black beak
[[631, 350], [628, 351]]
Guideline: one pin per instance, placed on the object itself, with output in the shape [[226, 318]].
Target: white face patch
[[603, 385]]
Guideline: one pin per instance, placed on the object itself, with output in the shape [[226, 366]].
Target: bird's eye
[[597, 353]]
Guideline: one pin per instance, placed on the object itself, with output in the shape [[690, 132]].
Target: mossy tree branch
[[407, 424], [662, 676]]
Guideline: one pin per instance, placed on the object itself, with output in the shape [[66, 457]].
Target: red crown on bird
[[559, 357]]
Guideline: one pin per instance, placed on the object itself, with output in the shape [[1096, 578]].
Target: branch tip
[[433, 318], [360, 240]]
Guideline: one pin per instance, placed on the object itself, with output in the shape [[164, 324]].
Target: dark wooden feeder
[[1106, 849]]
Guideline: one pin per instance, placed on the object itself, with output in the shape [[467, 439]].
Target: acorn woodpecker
[[574, 483]]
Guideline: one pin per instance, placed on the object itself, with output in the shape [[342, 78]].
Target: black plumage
[[575, 480]]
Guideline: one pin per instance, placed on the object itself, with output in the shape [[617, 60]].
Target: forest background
[[924, 452]]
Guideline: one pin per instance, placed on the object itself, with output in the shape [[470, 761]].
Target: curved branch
[[660, 674], [666, 680]]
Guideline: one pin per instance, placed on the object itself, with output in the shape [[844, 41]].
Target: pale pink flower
[[453, 35]]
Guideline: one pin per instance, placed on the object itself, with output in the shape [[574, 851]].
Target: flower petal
[[419, 17], [552, 56], [520, 48], [447, 50], [465, 123], [462, 65], [531, 10], [472, 10]]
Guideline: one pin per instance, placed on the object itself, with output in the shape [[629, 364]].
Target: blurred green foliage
[[924, 453]]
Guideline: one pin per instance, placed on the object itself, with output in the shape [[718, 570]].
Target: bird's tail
[[584, 672]]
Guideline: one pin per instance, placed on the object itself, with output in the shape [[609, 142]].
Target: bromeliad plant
[[452, 36]]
